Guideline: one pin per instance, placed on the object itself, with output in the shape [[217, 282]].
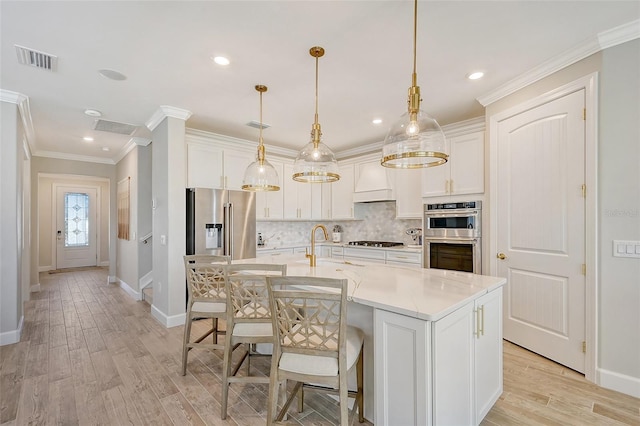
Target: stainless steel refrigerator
[[221, 222]]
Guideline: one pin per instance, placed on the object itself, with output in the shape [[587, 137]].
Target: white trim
[[111, 279], [72, 157], [22, 102], [167, 321], [75, 177], [223, 141], [46, 268], [129, 290], [167, 111], [619, 382], [146, 280], [34, 288], [603, 40], [103, 263], [13, 336], [589, 84]]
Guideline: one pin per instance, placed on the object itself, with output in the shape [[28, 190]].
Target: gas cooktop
[[375, 243]]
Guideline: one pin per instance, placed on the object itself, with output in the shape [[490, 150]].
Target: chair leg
[[215, 331], [226, 373], [185, 343], [359, 379], [344, 400], [272, 406], [301, 400]]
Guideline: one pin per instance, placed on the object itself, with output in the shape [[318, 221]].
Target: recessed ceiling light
[[377, 120], [475, 75], [112, 75], [105, 148], [221, 60], [93, 113], [87, 139]]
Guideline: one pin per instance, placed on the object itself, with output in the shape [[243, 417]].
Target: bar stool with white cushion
[[207, 298], [248, 320], [314, 346]]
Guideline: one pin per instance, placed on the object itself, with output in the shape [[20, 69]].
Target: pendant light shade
[[316, 163], [416, 139], [260, 175]]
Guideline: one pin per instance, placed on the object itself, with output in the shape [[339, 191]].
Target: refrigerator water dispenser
[[213, 236]]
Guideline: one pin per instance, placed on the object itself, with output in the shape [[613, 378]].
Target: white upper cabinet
[[300, 199], [209, 166], [408, 190], [342, 193], [270, 204], [463, 173]]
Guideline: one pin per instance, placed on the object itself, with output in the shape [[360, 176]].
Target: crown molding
[[167, 111], [73, 157], [202, 136], [603, 40], [22, 102]]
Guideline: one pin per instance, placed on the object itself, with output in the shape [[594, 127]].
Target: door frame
[[54, 215], [588, 83]]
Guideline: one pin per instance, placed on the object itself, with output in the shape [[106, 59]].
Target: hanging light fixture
[[316, 163], [260, 175], [415, 140]]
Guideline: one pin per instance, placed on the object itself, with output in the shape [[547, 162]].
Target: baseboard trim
[[45, 268], [35, 288], [167, 321], [13, 336], [130, 291], [146, 280], [619, 382], [112, 279], [104, 263]]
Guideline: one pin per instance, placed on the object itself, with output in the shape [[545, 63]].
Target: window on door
[[76, 220]]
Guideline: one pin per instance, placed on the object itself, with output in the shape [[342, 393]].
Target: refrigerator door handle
[[228, 226]]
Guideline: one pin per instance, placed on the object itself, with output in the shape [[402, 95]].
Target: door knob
[[501, 256]]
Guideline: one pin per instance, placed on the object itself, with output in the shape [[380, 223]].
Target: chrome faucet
[[312, 256]]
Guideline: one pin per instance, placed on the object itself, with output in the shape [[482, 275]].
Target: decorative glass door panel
[[76, 220], [77, 224]]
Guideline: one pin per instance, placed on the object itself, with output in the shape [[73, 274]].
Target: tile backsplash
[[374, 221]]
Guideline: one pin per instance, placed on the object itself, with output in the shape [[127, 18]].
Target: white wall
[[618, 176]]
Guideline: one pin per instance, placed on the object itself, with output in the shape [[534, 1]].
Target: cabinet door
[[342, 194], [435, 180], [269, 204], [488, 352], [408, 189], [401, 364], [235, 164], [467, 164], [325, 200], [204, 166], [453, 368], [290, 196]]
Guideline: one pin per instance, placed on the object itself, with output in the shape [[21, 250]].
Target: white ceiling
[[165, 48]]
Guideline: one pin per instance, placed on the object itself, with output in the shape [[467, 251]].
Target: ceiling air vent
[[256, 124], [115, 127], [36, 59]]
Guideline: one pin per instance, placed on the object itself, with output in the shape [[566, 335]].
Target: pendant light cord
[[316, 116], [414, 76]]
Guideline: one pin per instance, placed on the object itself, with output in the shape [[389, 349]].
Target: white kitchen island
[[433, 338]]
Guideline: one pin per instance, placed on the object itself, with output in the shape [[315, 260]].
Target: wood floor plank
[[33, 401], [57, 335], [157, 376], [616, 415], [61, 409], [75, 338], [37, 361], [119, 406], [90, 406], [83, 371], [181, 412], [105, 369], [12, 368], [59, 363], [94, 340]]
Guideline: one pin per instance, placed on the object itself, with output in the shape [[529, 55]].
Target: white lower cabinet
[[364, 254], [402, 369], [445, 372]]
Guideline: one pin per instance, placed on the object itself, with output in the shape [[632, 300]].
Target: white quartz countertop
[[428, 294]]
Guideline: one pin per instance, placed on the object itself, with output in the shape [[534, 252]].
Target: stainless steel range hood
[[374, 184]]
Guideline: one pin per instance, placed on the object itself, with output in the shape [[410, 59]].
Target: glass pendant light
[[316, 163], [416, 139], [260, 175]]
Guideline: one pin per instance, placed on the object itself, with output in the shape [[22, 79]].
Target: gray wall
[[145, 217], [127, 250], [11, 237], [618, 207]]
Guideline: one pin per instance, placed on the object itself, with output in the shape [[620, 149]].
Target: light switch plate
[[626, 248]]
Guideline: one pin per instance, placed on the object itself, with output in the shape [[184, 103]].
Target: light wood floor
[[90, 354]]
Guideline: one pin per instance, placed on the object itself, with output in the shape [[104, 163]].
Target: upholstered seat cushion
[[320, 365], [207, 307], [256, 329]]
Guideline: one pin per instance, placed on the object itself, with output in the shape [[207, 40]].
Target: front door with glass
[[76, 218]]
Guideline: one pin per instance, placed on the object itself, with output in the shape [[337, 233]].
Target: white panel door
[[541, 228], [76, 234]]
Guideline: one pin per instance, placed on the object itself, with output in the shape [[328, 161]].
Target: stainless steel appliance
[[452, 236], [375, 243], [221, 222]]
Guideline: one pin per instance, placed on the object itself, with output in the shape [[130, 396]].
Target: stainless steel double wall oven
[[452, 236]]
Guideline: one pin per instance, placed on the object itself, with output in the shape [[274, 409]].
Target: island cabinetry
[[342, 193], [337, 252], [274, 252], [402, 369], [463, 173], [209, 166], [458, 356], [269, 204], [404, 258]]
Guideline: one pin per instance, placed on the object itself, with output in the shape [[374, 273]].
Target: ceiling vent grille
[[115, 127], [36, 59], [256, 124]]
